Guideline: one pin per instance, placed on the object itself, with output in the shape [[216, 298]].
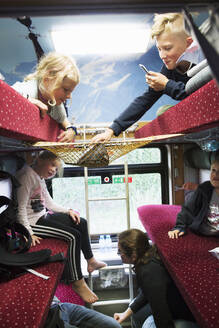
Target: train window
[[146, 178], [70, 192], [141, 156]]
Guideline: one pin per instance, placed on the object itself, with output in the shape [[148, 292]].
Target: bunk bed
[[25, 300], [21, 120], [199, 111], [191, 265], [188, 260]]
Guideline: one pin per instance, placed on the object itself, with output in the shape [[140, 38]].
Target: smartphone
[[144, 68]]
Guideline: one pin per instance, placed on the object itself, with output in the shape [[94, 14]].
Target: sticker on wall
[[106, 179], [96, 180], [121, 180]]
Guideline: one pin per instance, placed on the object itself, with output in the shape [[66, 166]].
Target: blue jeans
[[141, 315], [149, 323], [81, 317]]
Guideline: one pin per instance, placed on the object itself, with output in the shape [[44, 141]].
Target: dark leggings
[[61, 225]]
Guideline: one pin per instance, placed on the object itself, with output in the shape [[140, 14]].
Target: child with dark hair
[[63, 223], [157, 294], [201, 212]]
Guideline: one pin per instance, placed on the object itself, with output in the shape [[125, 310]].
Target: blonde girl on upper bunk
[[49, 86]]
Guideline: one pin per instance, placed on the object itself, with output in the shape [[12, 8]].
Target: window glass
[[140, 156], [109, 216], [70, 193]]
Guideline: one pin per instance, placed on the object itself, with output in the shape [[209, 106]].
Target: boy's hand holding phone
[[156, 81]]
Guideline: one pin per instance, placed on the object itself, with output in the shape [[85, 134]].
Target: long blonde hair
[[135, 242], [54, 66], [169, 22], [47, 155]]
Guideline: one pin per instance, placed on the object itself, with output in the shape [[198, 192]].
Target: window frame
[[161, 168]]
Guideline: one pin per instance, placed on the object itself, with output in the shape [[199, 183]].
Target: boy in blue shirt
[[172, 41]]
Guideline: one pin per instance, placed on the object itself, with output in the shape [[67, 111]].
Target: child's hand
[[42, 107], [75, 216], [101, 137], [67, 136], [156, 81], [35, 240], [190, 186], [175, 234], [120, 317]]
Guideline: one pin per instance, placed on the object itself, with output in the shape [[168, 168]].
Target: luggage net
[[85, 153]]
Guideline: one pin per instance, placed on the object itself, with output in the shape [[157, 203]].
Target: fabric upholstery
[[150, 216], [65, 293], [25, 300], [198, 111], [193, 268], [21, 120]]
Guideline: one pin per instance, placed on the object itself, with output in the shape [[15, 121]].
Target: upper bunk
[[199, 111], [21, 120], [106, 85]]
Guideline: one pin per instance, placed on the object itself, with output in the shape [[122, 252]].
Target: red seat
[[25, 300], [65, 293], [153, 217], [197, 112], [193, 268]]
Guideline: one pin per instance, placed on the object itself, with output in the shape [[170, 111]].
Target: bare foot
[[93, 264], [82, 289]]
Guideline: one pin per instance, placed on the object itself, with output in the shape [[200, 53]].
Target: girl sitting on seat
[[34, 206]]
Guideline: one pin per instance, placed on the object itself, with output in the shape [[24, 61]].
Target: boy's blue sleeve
[[175, 90], [175, 87], [135, 111]]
